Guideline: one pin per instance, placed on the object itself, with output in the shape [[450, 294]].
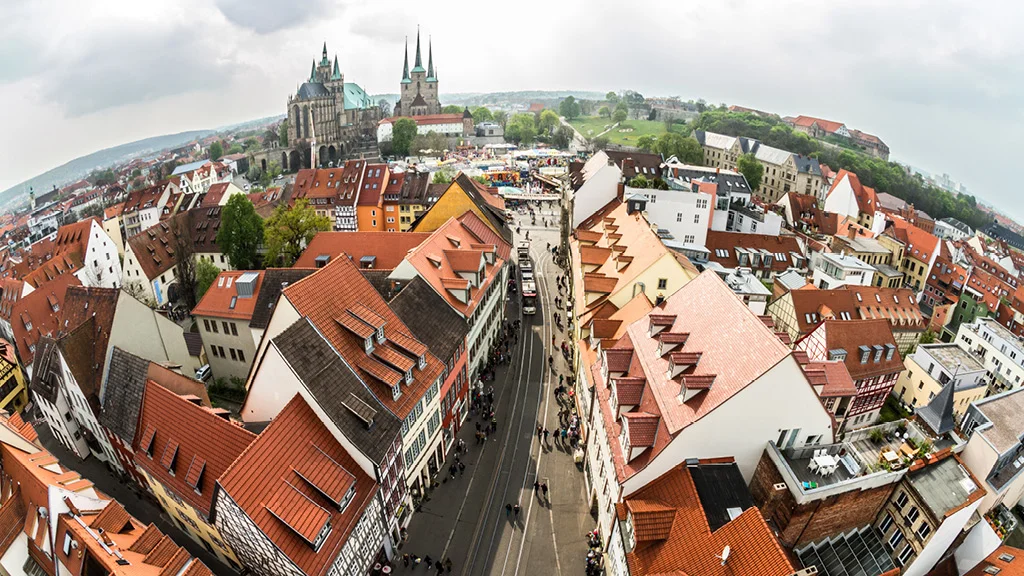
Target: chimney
[[621, 193], [851, 233], [718, 170]]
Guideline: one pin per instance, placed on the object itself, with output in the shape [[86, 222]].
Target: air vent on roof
[[322, 260], [245, 286]]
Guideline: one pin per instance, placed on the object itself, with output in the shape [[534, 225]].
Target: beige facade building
[[784, 172], [933, 366], [223, 316]]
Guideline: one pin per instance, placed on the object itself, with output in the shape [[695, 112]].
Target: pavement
[[142, 508], [465, 518]]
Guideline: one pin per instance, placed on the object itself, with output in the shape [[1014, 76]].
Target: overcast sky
[[939, 80]]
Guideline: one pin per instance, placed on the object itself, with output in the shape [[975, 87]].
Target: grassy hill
[[626, 133]]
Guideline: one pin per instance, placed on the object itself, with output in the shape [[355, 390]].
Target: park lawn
[[625, 134]]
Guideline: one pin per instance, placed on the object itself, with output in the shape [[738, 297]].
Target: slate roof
[[808, 165], [332, 382], [388, 248], [938, 413], [36, 309], [310, 90], [122, 395], [633, 163], [274, 280], [194, 343], [430, 318]]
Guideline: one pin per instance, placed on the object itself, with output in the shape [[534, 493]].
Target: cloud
[[267, 16]]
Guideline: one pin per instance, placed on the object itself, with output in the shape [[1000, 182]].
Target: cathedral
[[329, 119], [418, 93]]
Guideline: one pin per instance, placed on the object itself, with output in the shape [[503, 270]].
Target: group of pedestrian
[[513, 509], [541, 488], [442, 567]]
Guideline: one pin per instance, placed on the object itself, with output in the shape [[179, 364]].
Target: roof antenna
[[725, 555]]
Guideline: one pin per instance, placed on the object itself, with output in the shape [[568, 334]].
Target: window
[[696, 218], [905, 554], [214, 326], [895, 539], [924, 530], [679, 217], [233, 355], [67, 543], [241, 356], [913, 514], [234, 329], [1006, 557], [226, 329], [662, 283], [221, 348], [886, 524], [901, 500]]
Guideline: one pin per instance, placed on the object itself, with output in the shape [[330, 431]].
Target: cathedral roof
[[356, 97], [311, 90], [419, 101]]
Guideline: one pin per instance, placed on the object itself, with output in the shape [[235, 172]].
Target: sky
[[939, 80]]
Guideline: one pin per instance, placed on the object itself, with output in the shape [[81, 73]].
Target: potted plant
[[876, 436]]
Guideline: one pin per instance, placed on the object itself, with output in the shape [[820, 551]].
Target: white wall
[[676, 211], [270, 388], [842, 200], [780, 399], [598, 190], [979, 456], [941, 540], [980, 542]]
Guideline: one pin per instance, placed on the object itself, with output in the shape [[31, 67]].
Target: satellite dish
[[725, 555]]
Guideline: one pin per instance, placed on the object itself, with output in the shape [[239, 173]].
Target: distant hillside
[[80, 167], [525, 97]]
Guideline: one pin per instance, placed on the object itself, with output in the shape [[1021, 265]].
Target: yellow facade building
[[13, 391]]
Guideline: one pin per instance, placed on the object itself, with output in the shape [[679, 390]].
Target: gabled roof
[[375, 178], [188, 427], [274, 280], [851, 336], [633, 163], [867, 200], [897, 305], [829, 126], [122, 394], [339, 185], [74, 237], [33, 316], [444, 254], [682, 526], [328, 298], [155, 248], [59, 265], [754, 244], [920, 244], [387, 249], [297, 453]]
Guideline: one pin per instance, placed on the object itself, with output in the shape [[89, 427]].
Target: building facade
[[417, 94]]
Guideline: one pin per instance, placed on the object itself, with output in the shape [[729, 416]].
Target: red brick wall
[[799, 525]]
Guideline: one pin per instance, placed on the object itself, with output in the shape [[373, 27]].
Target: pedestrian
[[561, 377], [462, 469], [428, 560], [439, 566], [544, 489], [405, 560], [494, 424], [516, 509], [477, 426], [416, 560], [508, 510], [540, 432], [545, 435], [536, 485], [448, 565], [565, 432]]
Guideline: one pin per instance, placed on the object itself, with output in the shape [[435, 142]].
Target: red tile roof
[[74, 237], [674, 536], [898, 305], [829, 126], [327, 296], [850, 335], [438, 259], [375, 178], [222, 299], [297, 453], [340, 185], [834, 380], [67, 263], [214, 195], [1013, 566], [37, 310], [183, 431], [389, 248], [730, 241], [920, 244], [867, 199]]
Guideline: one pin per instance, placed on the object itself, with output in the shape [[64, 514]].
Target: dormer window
[[396, 392], [380, 335], [408, 376], [421, 362], [368, 344]]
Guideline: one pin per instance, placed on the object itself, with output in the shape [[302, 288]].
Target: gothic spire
[[312, 72], [405, 70], [337, 71], [419, 61], [325, 49], [430, 57]]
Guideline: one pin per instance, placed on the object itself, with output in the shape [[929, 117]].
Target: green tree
[[928, 337], [482, 114], [639, 181], [442, 177], [431, 141], [619, 115], [604, 112], [500, 117], [521, 129], [251, 143], [600, 143], [452, 109], [621, 106], [753, 170], [206, 275], [236, 148], [646, 142], [216, 150], [282, 133], [241, 232], [548, 121], [686, 149], [563, 137], [136, 173], [289, 230], [569, 108], [612, 98], [402, 134]]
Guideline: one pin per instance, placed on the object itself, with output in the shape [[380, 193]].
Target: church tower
[[418, 91]]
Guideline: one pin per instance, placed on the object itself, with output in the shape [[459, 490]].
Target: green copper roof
[[356, 97], [419, 61], [405, 70], [430, 59], [312, 72], [337, 72]]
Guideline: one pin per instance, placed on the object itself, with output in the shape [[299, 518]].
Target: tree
[[452, 109], [206, 275], [241, 232], [600, 143], [216, 150], [604, 112], [95, 209], [402, 134], [686, 149], [185, 253], [442, 177], [282, 133], [548, 121], [619, 115], [612, 98], [753, 170], [385, 108], [646, 142], [928, 337], [431, 141], [569, 108], [289, 230], [236, 148], [136, 173], [639, 181], [500, 117], [563, 137], [521, 129], [621, 106], [482, 114]]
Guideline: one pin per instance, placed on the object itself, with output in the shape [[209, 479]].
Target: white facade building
[[833, 270], [998, 349]]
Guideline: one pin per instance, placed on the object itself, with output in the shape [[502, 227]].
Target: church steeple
[[337, 71], [430, 59], [405, 69], [312, 72], [418, 67]]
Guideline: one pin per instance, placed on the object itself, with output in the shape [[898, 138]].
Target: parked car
[[203, 373]]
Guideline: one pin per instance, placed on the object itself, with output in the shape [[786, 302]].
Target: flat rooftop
[[950, 356], [943, 485], [723, 493], [846, 261], [1004, 412]]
